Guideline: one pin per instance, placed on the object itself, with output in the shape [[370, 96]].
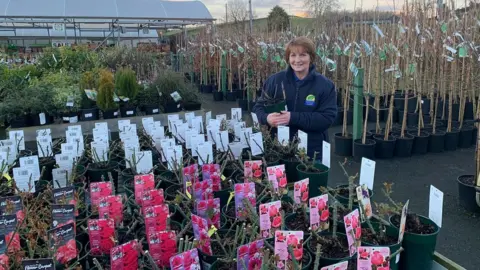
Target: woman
[[310, 97]]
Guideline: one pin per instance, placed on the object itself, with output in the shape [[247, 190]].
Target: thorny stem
[[335, 217], [389, 258], [150, 260], [219, 241], [294, 260], [317, 256]]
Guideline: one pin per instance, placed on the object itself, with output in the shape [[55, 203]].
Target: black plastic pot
[[451, 140], [89, 114], [343, 145], [35, 119], [151, 109], [465, 137], [218, 96], [474, 135], [403, 146], [394, 116], [468, 111], [467, 193], [171, 107], [128, 111], [384, 148], [420, 143], [110, 114], [291, 170], [231, 96], [436, 144], [339, 119], [19, 122], [372, 114], [70, 117], [366, 150], [192, 106], [349, 117], [276, 108], [207, 88]]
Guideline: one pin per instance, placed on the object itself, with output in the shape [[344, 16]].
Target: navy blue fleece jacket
[[313, 117]]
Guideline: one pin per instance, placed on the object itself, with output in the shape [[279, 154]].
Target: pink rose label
[[244, 191], [278, 177], [211, 173], [270, 218], [252, 170], [337, 266], [186, 260], [353, 230], [300, 192], [284, 240], [319, 213], [209, 210], [190, 177], [249, 256], [364, 197], [143, 183], [203, 190], [200, 231], [373, 258]]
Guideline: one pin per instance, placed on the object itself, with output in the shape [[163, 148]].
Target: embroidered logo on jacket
[[310, 100]]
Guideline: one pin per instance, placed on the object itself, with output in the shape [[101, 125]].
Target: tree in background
[[319, 9], [237, 11], [278, 19]]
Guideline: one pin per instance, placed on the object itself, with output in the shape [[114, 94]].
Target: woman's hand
[[278, 119], [272, 119]]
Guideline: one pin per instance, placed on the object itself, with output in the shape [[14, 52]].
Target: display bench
[[58, 130], [441, 262]]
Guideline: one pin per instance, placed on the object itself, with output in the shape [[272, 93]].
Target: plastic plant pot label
[[353, 231], [38, 264], [101, 233], [189, 117], [18, 137], [162, 246], [122, 124], [24, 179], [152, 197], [91, 94], [373, 258], [237, 128], [205, 153], [176, 96], [278, 177], [435, 205], [250, 255], [14, 206], [31, 163], [256, 124], [188, 137], [303, 144], [221, 117], [208, 117], [285, 240], [44, 132], [236, 149], [364, 197], [62, 241], [99, 190], [69, 149], [319, 213], [403, 221], [326, 154], [202, 190], [270, 218], [70, 101], [63, 215], [66, 195], [252, 170], [155, 111], [209, 210], [244, 191], [143, 183], [156, 218], [197, 123], [111, 207], [4, 263], [367, 172], [190, 177], [125, 256], [73, 119], [144, 161], [200, 231], [186, 260], [245, 136], [100, 151], [174, 156], [129, 112], [44, 145], [88, 115], [300, 192], [236, 114], [256, 143], [115, 113], [103, 126], [42, 118], [337, 266]]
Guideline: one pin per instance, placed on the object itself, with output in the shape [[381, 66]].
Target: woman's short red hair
[[303, 42]]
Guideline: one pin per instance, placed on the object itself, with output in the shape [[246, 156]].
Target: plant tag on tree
[[205, 153], [435, 205], [373, 258], [100, 150], [236, 148], [202, 190], [62, 240], [162, 246], [32, 164], [221, 141], [60, 177], [171, 118], [143, 183], [200, 231], [174, 157], [300, 192], [250, 255], [337, 266], [326, 154], [256, 143], [12, 205], [237, 128], [211, 131], [215, 123], [156, 218], [38, 264], [197, 123], [103, 126], [252, 170], [44, 132], [176, 96], [209, 210], [42, 118], [403, 221], [10, 149], [367, 172], [123, 124], [164, 145], [363, 196], [244, 191], [63, 215], [4, 259], [44, 146], [277, 176], [24, 179], [245, 136], [144, 161], [196, 140], [125, 256], [65, 195], [189, 117], [208, 116], [158, 134], [284, 240], [270, 218], [78, 145], [353, 230], [130, 153], [319, 213], [186, 260], [99, 135], [236, 114], [18, 137], [8, 227], [283, 135], [101, 233], [99, 190], [221, 117], [70, 101]]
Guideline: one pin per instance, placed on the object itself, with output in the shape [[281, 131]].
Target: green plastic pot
[[276, 108], [316, 180], [418, 248], [344, 200], [291, 171], [329, 261], [390, 231]]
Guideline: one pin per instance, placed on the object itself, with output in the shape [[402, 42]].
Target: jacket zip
[[295, 103]]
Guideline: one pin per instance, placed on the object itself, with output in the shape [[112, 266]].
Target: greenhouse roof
[[45, 33], [185, 12]]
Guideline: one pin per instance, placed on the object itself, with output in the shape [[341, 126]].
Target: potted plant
[[148, 99], [170, 84], [105, 97], [191, 100], [127, 89], [88, 85], [316, 172]]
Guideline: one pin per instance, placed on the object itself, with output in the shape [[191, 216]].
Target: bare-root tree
[[238, 14], [319, 8]]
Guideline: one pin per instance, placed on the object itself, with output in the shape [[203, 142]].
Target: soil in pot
[[333, 250], [343, 144], [342, 194], [298, 221], [467, 193], [366, 150], [318, 176]]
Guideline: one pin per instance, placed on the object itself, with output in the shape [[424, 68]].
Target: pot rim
[[460, 182], [437, 229]]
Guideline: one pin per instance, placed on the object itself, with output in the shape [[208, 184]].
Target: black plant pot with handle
[[171, 107], [231, 96], [89, 114], [384, 148], [451, 140], [128, 111], [465, 137], [243, 103], [151, 109], [41, 119], [19, 122], [276, 108], [343, 144], [420, 142], [110, 114], [467, 193], [436, 144], [361, 150], [403, 145], [192, 106], [70, 117], [218, 96]]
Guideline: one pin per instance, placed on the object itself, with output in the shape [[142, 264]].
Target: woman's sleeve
[[259, 107], [322, 118]]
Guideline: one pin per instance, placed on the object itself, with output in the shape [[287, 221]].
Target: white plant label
[[188, 137], [189, 117], [256, 143], [122, 124], [205, 153], [147, 124], [283, 135], [64, 161], [165, 144], [403, 220], [171, 118], [221, 117], [32, 164], [44, 146], [236, 114], [236, 148], [208, 116], [237, 128], [102, 126], [256, 124], [197, 123], [221, 141], [435, 205], [196, 140], [245, 137], [44, 132], [144, 161], [60, 176], [24, 179], [100, 135], [174, 157], [367, 172], [158, 133], [176, 96], [42, 118], [99, 151], [211, 131], [326, 154]]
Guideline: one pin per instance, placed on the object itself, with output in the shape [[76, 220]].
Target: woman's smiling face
[[299, 59]]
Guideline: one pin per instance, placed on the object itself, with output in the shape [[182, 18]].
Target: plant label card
[[66, 195], [252, 170], [326, 154], [44, 146], [162, 246], [62, 215], [278, 177], [205, 153], [244, 191], [200, 231], [44, 132], [236, 114], [285, 240], [171, 118], [337, 266], [24, 180], [100, 150], [196, 140], [38, 264], [236, 148], [158, 134], [208, 116], [144, 161], [31, 163], [99, 190], [18, 137], [190, 177], [164, 145], [62, 242], [270, 218], [143, 182], [12, 205], [189, 117], [256, 143], [212, 172], [303, 141], [364, 197], [156, 218], [221, 141], [100, 136], [237, 128], [283, 135], [373, 258], [147, 123], [250, 256], [102, 126], [209, 210], [152, 197], [197, 123], [69, 149], [130, 153], [111, 207], [256, 124], [300, 192], [245, 136], [8, 226], [221, 117], [174, 156], [4, 259], [367, 172], [101, 233], [64, 161], [186, 260], [176, 96], [215, 123], [403, 221], [353, 230], [202, 190], [211, 131], [435, 205], [125, 257], [319, 213]]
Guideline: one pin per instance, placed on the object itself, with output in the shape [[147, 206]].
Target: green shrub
[[126, 83], [106, 90]]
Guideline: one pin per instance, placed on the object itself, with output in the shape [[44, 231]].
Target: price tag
[[435, 206], [367, 172]]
